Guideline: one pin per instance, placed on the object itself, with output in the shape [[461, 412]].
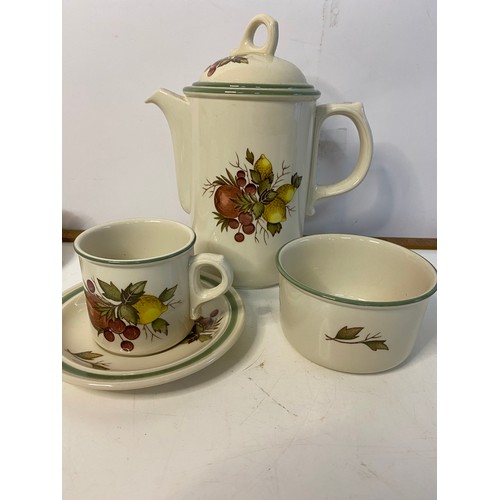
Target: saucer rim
[[192, 363]]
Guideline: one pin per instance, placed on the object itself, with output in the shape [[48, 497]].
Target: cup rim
[[127, 262], [336, 298]]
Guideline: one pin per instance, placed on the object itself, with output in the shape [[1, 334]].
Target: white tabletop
[[262, 422]]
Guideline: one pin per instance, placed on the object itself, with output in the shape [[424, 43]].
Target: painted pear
[[287, 191], [275, 211]]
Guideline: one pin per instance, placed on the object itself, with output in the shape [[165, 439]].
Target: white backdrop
[[117, 150]]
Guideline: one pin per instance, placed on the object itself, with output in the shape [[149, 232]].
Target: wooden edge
[[412, 243], [69, 235]]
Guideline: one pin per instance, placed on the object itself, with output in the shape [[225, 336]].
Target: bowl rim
[[357, 302]]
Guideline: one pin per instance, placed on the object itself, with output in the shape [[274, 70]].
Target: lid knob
[[247, 45], [253, 70]]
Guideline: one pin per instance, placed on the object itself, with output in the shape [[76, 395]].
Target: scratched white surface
[[117, 151], [262, 422]]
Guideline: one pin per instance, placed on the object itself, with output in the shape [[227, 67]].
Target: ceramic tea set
[[159, 294]]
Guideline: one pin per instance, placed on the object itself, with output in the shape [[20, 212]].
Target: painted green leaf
[[128, 313], [160, 325], [110, 291], [110, 314], [249, 156], [138, 287], [274, 228], [231, 178], [167, 294], [218, 218], [258, 209], [224, 225], [204, 337], [86, 355], [348, 333], [296, 180], [270, 195], [221, 221], [97, 366], [263, 186], [255, 176], [375, 345], [192, 337], [105, 309], [133, 292], [245, 202]]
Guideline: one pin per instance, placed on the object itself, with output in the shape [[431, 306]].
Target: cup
[[142, 283], [352, 303]]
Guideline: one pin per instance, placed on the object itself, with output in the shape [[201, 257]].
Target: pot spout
[[177, 112]]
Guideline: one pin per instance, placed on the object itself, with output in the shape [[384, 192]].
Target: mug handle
[[353, 111], [198, 293]]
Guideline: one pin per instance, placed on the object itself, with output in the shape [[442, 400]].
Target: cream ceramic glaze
[[142, 283], [352, 303], [247, 107]]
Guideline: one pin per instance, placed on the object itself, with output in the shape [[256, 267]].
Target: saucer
[[84, 363]]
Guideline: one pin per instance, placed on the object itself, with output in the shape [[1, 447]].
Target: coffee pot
[[245, 139]]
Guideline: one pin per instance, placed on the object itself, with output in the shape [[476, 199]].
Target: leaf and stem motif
[[255, 200], [351, 336], [88, 357], [222, 62]]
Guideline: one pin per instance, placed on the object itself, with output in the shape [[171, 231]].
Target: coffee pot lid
[[254, 70]]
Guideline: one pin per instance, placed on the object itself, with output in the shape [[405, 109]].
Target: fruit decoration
[[123, 315], [253, 200], [204, 328]]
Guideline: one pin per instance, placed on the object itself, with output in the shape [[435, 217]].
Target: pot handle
[[355, 112], [246, 45]]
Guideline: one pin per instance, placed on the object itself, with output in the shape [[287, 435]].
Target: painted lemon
[[275, 211], [264, 167], [149, 308]]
